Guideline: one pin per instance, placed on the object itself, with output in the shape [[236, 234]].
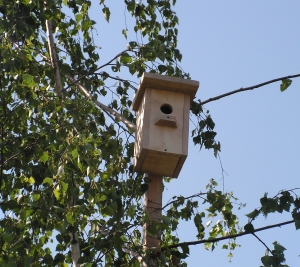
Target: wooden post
[[153, 204]]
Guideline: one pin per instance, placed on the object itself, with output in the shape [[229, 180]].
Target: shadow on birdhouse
[[162, 104]]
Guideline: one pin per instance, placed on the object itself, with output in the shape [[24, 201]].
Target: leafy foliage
[[283, 201], [277, 257]]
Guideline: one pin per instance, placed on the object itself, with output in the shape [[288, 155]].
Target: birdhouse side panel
[[185, 133], [162, 138], [142, 132], [185, 124]]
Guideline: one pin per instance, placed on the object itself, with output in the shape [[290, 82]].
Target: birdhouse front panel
[[165, 104], [162, 124], [162, 130]]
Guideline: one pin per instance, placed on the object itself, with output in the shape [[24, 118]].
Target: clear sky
[[227, 45]]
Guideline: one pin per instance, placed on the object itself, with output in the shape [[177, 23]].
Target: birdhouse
[[162, 104]]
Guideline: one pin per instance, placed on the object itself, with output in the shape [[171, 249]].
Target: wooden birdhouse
[[162, 104]]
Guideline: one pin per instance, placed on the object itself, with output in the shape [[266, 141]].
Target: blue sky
[[227, 45]]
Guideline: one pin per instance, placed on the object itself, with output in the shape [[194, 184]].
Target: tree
[[66, 157]]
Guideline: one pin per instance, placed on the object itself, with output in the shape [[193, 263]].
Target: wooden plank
[[185, 124], [142, 133], [166, 121], [185, 135], [160, 163], [165, 139], [179, 166]]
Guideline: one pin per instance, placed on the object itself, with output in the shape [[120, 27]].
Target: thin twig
[[105, 108], [223, 171], [136, 255], [213, 240], [18, 153], [248, 88], [263, 243], [102, 66], [118, 79], [195, 195]]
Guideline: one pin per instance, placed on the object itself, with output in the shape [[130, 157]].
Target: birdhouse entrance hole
[[166, 109]]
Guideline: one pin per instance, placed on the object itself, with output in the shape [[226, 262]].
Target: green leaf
[[64, 186], [59, 257], [28, 80], [8, 237], [2, 27], [31, 180], [70, 217], [297, 224], [162, 68], [56, 193], [102, 198], [125, 58], [87, 264], [185, 249], [78, 17], [166, 219], [36, 197], [143, 188], [58, 209], [267, 260], [74, 153], [278, 247], [48, 181], [106, 13], [253, 214], [124, 32], [133, 44], [285, 83], [249, 228], [104, 176], [44, 157]]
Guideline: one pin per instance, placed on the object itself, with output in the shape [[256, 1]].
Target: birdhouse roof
[[162, 82]]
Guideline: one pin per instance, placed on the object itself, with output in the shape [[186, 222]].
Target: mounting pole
[[153, 204]]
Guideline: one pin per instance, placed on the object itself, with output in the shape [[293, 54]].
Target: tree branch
[[105, 108], [263, 243], [173, 201], [58, 85], [225, 237], [75, 250], [117, 79], [137, 256], [102, 66], [248, 88]]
